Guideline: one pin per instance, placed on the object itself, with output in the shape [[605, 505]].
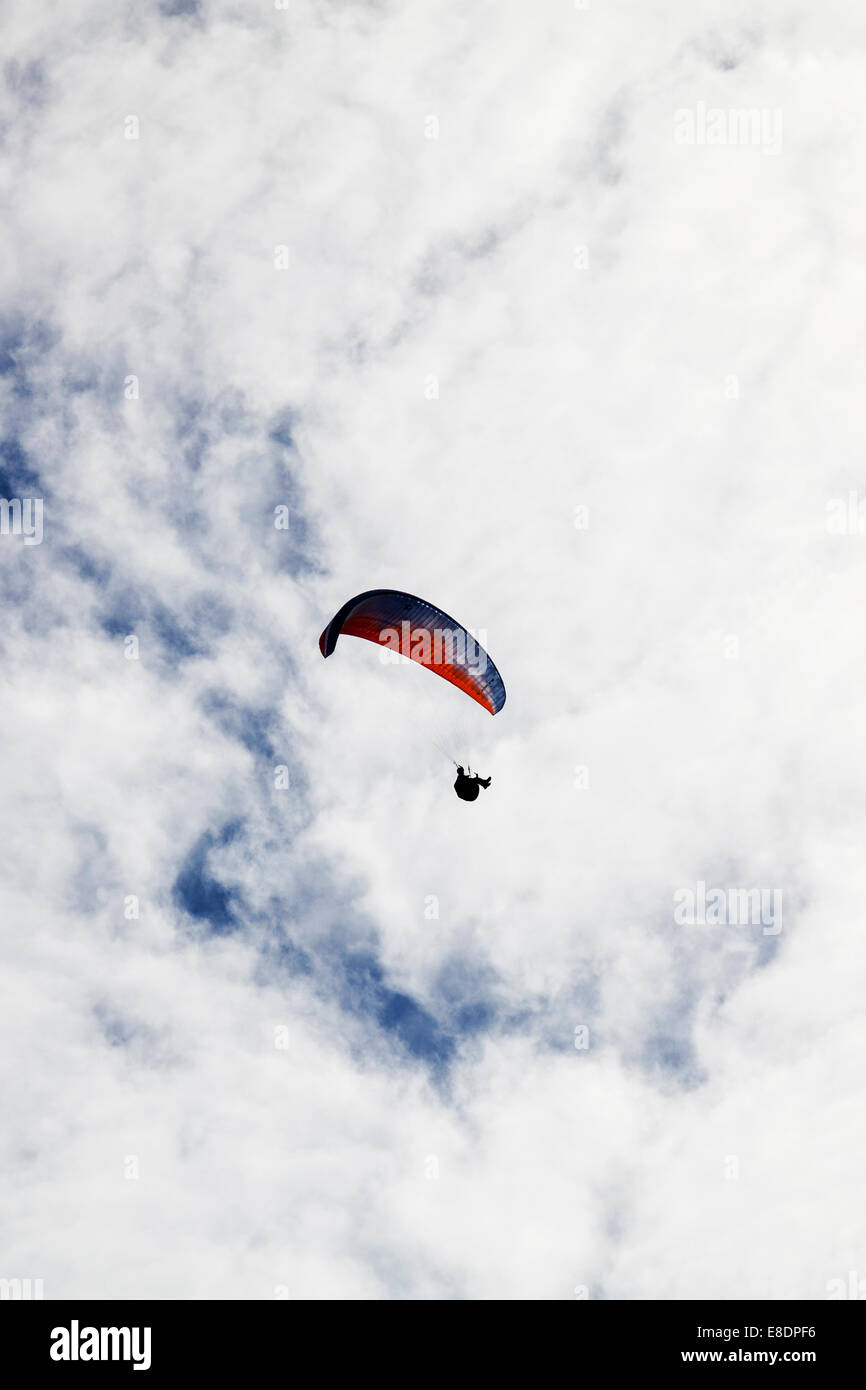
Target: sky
[[553, 316]]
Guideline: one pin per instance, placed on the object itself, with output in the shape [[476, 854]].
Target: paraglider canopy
[[424, 633]]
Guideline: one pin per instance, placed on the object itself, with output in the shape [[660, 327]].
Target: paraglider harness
[[467, 785]]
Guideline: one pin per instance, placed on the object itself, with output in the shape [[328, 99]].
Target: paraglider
[[466, 786], [424, 633]]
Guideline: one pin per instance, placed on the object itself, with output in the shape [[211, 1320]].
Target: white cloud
[[550, 305]]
